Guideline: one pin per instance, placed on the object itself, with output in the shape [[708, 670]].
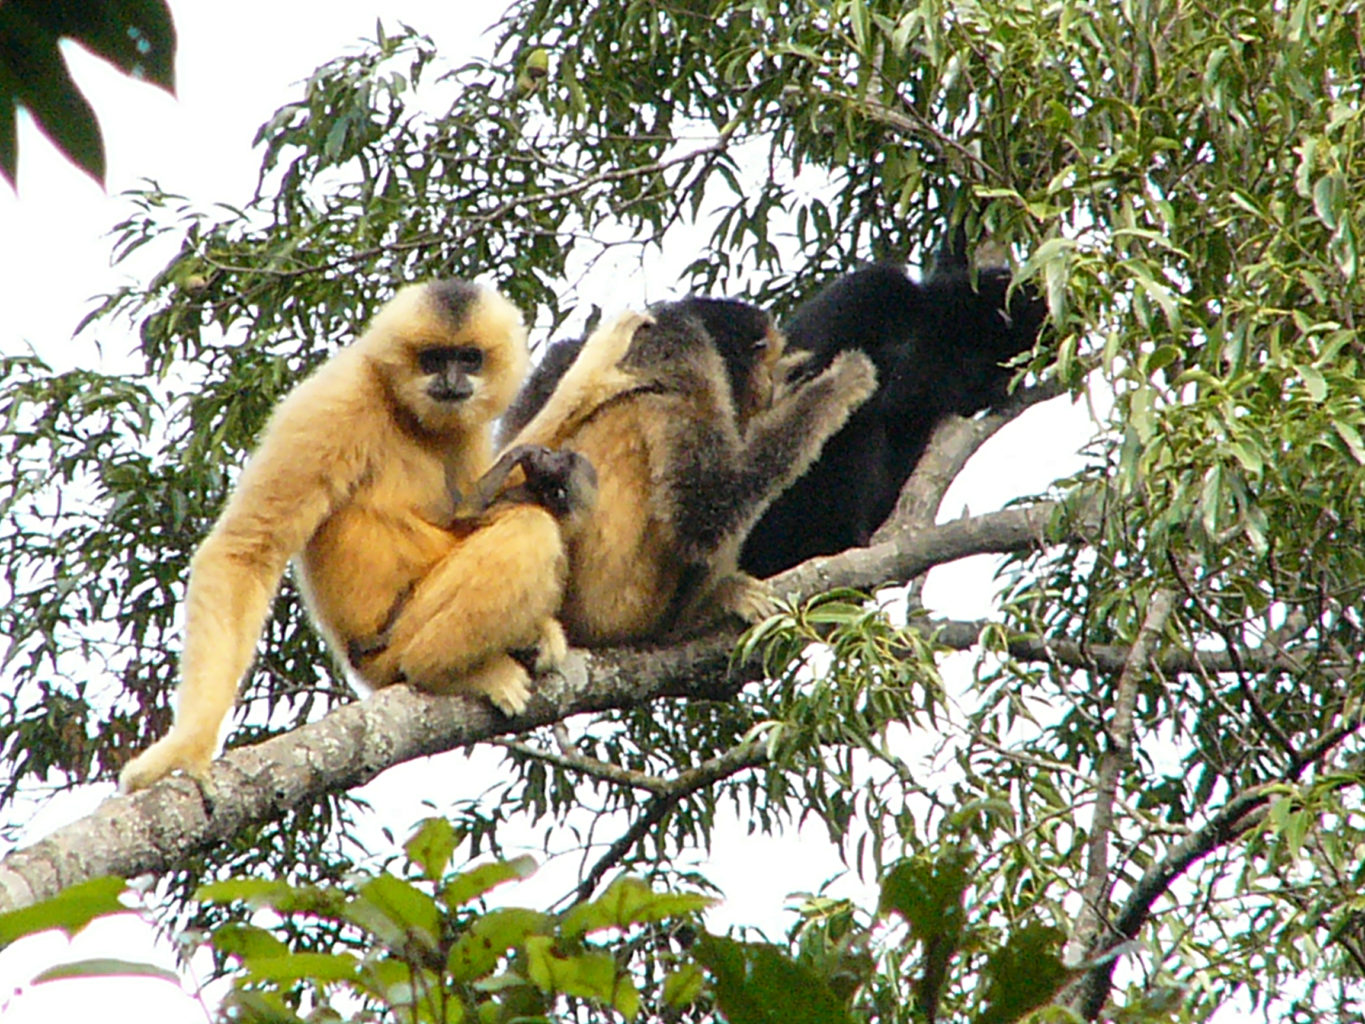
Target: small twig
[[732, 762], [655, 812], [498, 213], [1232, 644], [576, 762]]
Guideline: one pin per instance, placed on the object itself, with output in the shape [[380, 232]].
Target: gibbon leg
[[492, 594]]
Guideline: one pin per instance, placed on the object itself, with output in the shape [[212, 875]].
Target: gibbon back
[[672, 408]]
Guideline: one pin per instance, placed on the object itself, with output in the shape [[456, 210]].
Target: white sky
[[236, 64]]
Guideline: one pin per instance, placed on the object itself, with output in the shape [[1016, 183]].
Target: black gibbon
[[674, 409], [359, 473], [939, 347]]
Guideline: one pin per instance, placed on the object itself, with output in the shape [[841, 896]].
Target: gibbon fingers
[[672, 409], [359, 472]]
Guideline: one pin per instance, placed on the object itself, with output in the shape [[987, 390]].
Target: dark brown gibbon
[[675, 410], [359, 473]]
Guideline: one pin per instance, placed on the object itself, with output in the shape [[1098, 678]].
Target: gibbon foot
[[745, 597], [503, 681], [553, 647], [189, 754]]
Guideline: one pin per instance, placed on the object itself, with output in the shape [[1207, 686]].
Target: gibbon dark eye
[[467, 358]]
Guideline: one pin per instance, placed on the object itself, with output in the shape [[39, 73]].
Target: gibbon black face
[[563, 482], [450, 355], [451, 369]]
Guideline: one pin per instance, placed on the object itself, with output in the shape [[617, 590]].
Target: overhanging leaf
[[70, 910]]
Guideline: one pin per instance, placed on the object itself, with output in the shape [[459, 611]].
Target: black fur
[[454, 297], [938, 347], [536, 391]]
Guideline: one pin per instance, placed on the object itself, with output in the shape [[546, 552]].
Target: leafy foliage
[[136, 36], [1145, 800]]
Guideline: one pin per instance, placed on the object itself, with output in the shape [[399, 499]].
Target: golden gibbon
[[359, 473], [675, 409]]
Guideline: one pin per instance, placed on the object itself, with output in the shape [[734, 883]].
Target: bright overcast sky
[[237, 63]]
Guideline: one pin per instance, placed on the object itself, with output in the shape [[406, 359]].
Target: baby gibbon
[[674, 409], [359, 473], [444, 634]]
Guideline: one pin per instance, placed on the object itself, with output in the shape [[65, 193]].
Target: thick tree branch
[[954, 441], [154, 830], [1279, 656], [909, 553]]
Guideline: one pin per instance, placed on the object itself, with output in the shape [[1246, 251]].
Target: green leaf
[[136, 36], [586, 975], [684, 986], [756, 983], [476, 952], [432, 845], [1348, 433], [247, 941], [929, 895], [471, 884], [397, 913], [281, 896], [1314, 381], [628, 901], [294, 967], [70, 910], [1023, 975], [105, 967]]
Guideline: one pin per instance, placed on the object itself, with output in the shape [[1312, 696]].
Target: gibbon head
[[563, 482], [722, 340], [749, 344], [451, 354]]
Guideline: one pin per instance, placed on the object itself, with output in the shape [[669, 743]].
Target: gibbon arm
[[719, 498], [279, 501]]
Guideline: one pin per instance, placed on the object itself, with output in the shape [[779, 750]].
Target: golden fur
[[685, 464], [359, 472]]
